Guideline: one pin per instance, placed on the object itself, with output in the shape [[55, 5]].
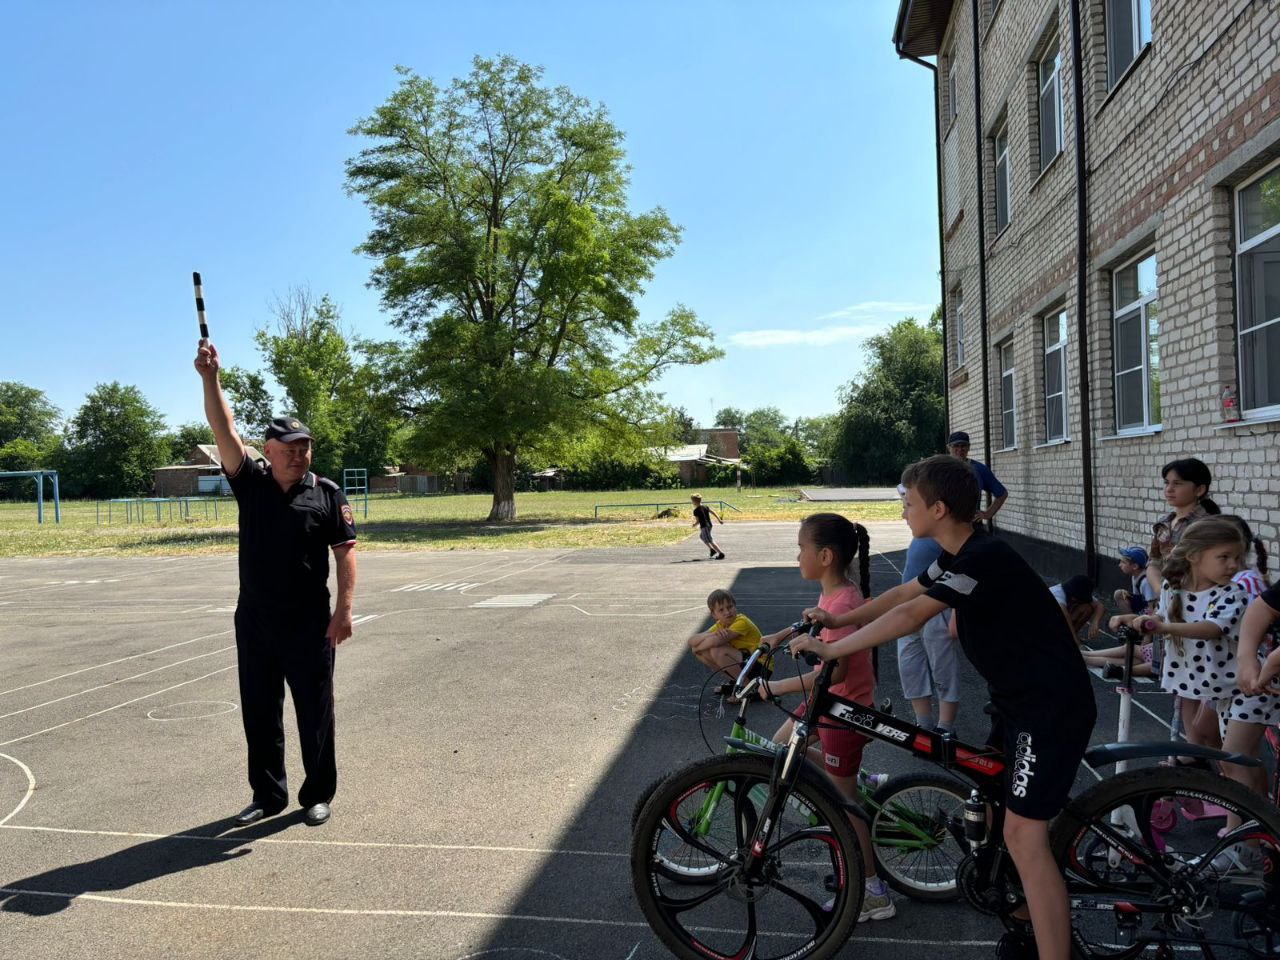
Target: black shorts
[[1042, 757]]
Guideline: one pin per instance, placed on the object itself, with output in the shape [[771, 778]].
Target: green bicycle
[[915, 818]]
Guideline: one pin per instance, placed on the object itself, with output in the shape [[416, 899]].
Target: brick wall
[[1201, 94]]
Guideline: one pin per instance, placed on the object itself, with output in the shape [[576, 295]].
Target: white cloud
[[869, 318], [822, 336]]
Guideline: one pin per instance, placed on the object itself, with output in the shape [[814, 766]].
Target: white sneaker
[[877, 906], [1237, 858]]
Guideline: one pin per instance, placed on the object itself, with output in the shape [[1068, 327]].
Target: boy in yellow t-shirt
[[722, 646]]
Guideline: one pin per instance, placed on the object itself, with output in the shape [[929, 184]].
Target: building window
[[1003, 183], [1258, 291], [1050, 74], [957, 300], [1055, 376], [1008, 399], [1128, 33], [952, 107], [1136, 344]]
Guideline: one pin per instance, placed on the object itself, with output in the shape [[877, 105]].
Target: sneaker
[[1238, 858], [718, 556], [877, 906], [872, 781], [1016, 946], [1113, 671]]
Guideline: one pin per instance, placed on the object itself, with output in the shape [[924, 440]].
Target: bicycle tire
[[917, 852], [811, 878], [643, 798], [1121, 904]]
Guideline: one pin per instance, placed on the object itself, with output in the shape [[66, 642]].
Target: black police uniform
[[281, 618]]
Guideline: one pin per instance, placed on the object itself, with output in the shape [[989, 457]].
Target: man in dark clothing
[[289, 521], [958, 446]]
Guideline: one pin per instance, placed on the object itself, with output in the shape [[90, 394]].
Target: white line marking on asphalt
[[365, 618], [102, 686], [195, 716], [613, 613], [111, 663], [31, 788], [444, 914], [514, 600], [231, 836], [633, 951], [99, 713]]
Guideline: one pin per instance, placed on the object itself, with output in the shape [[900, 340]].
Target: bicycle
[[910, 815], [788, 877]]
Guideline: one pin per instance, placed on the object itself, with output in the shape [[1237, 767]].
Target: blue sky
[[147, 140]]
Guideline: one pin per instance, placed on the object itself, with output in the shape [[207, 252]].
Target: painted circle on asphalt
[[191, 710]]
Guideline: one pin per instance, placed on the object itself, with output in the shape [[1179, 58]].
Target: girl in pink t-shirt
[[829, 544]]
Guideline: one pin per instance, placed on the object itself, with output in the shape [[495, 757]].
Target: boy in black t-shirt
[[1013, 632], [702, 519]]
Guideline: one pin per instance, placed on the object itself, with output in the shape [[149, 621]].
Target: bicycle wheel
[[802, 903], [1136, 889], [912, 821]]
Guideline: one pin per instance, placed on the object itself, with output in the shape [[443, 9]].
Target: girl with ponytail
[[1186, 491], [829, 546]]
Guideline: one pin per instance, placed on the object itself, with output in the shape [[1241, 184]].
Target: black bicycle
[[786, 876]]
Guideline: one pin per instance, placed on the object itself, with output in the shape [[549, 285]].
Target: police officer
[[289, 520]]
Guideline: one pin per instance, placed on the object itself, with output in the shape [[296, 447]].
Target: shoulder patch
[[326, 482], [347, 516]]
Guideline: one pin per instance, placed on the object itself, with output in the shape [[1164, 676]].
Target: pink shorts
[[841, 747]]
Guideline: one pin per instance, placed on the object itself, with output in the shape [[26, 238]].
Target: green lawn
[[441, 522]]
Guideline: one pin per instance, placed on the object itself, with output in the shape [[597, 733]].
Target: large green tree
[[25, 414], [892, 414], [251, 402], [113, 444], [510, 261]]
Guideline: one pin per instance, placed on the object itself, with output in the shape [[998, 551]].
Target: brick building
[[1099, 302]]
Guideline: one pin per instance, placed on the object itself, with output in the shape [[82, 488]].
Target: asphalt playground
[[498, 714]]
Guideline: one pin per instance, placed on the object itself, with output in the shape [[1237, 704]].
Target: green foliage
[[510, 260], [185, 439], [112, 444], [730, 417], [782, 464], [892, 414], [251, 403], [25, 414], [817, 435]]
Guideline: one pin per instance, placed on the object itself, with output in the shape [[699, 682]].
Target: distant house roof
[[550, 472], [692, 453], [211, 455]]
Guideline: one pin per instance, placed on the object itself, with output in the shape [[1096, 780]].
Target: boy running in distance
[[1012, 630], [702, 520]]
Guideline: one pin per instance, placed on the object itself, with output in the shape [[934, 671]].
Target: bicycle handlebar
[[742, 684]]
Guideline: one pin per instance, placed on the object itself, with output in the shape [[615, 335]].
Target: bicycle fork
[[791, 761]]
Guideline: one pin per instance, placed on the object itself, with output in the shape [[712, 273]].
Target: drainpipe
[[1082, 283], [982, 237], [942, 249]]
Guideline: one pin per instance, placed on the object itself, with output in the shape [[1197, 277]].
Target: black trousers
[[275, 647]]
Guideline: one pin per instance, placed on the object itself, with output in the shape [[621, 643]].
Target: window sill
[[999, 234], [1052, 443], [959, 377], [1013, 449], [1271, 416], [1056, 157], [1130, 434], [1128, 72]]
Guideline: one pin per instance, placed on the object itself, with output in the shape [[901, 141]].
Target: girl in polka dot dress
[[1199, 617]]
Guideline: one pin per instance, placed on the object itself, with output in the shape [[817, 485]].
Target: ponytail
[[1259, 548], [847, 540], [863, 540]]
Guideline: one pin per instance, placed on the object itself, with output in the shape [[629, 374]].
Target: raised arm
[[217, 411], [902, 620]]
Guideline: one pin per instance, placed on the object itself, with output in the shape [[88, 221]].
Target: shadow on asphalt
[[667, 736], [190, 849]]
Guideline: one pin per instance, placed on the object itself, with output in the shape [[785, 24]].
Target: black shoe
[[1113, 671], [718, 556], [1017, 946], [255, 812], [317, 814]]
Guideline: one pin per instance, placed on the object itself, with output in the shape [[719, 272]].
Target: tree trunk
[[504, 486]]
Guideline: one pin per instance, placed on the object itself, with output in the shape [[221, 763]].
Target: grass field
[[439, 522]]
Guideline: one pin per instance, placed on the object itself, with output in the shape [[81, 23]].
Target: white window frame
[[1009, 415], [952, 109], [1005, 179], [1243, 248], [1124, 311], [958, 299], [1055, 353], [1051, 85], [1139, 16]]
